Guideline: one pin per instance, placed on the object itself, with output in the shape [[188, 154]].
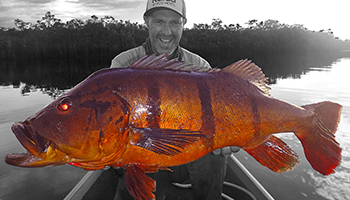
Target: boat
[[239, 184]]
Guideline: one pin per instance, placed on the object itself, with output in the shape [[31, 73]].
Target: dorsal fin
[[162, 62], [243, 68], [248, 71]]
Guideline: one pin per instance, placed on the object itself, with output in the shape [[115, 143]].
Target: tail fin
[[317, 137]]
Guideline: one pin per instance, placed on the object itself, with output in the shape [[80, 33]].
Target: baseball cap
[[174, 5]]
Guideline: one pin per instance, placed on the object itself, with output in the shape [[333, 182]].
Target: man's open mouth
[[165, 40]]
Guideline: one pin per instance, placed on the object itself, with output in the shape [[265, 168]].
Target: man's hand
[[226, 151]]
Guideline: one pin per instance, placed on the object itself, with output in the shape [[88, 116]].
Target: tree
[[201, 26], [252, 23], [48, 21], [271, 24], [107, 20], [94, 19], [217, 24], [75, 24], [21, 25]]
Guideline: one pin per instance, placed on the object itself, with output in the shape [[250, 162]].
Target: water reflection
[[319, 84], [50, 78], [27, 87], [57, 75]]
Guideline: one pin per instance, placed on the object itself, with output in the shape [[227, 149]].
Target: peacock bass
[[158, 113]]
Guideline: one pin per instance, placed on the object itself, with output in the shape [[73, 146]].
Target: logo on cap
[[175, 5], [156, 3]]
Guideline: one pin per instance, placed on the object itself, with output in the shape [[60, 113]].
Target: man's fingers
[[217, 151], [226, 151], [234, 149]]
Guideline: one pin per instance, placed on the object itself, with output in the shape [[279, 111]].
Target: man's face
[[165, 30]]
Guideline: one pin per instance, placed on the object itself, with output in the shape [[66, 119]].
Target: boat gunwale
[[249, 181]]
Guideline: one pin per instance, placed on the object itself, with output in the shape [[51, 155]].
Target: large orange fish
[[158, 113]]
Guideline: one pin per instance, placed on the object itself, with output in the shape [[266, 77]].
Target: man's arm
[[125, 58], [196, 60]]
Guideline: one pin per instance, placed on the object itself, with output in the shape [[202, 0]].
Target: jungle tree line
[[100, 39]]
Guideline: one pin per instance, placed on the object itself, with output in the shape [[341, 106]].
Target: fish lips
[[33, 142]]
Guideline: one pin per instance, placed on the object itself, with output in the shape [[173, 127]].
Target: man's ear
[[184, 20], [146, 19]]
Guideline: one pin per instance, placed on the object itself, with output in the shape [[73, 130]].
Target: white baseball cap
[[175, 5]]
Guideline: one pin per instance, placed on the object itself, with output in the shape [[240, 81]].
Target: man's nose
[[166, 29]]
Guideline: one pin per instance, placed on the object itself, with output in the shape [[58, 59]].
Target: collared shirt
[[125, 58]]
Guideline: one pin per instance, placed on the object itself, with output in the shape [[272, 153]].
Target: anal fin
[[140, 186], [275, 154]]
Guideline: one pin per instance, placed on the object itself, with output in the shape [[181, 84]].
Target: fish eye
[[65, 105]]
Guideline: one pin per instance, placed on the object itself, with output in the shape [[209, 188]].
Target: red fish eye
[[65, 105]]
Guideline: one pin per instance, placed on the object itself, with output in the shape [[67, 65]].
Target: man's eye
[[176, 23], [158, 22]]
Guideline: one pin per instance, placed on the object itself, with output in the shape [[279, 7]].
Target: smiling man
[[165, 30], [165, 20]]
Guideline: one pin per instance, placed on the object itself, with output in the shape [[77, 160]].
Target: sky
[[313, 14]]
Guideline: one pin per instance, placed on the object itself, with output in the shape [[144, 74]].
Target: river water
[[317, 84], [25, 90]]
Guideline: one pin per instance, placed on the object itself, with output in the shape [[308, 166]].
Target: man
[[165, 24], [165, 21]]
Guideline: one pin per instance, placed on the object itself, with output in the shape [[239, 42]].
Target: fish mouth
[[41, 151]]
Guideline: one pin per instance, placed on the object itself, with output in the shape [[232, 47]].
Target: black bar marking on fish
[[208, 124], [256, 118], [125, 106], [101, 136], [99, 107], [119, 120], [153, 105]]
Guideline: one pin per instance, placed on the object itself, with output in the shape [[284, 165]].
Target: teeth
[[165, 40], [50, 152], [32, 140], [39, 141]]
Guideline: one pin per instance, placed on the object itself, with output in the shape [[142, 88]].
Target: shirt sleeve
[[125, 58]]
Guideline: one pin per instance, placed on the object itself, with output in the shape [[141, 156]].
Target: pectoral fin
[[275, 154], [165, 141], [140, 186]]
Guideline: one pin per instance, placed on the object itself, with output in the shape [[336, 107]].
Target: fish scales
[[186, 101], [145, 119]]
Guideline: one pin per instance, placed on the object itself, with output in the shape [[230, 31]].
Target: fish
[[158, 113]]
